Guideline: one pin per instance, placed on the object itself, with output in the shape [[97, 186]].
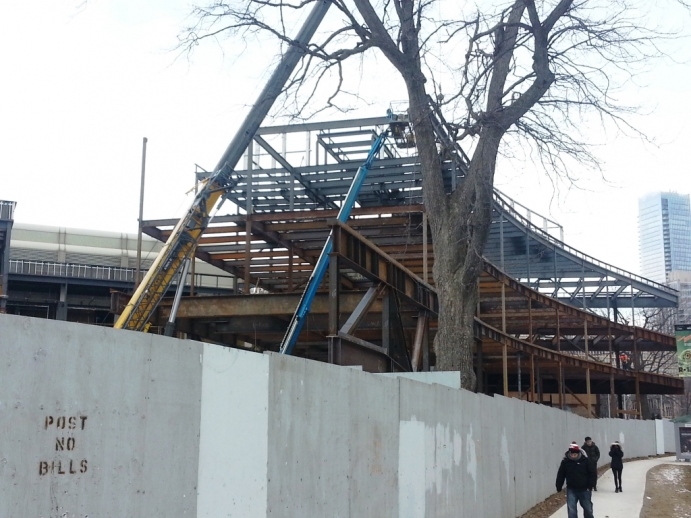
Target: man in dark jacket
[[593, 453], [580, 476]]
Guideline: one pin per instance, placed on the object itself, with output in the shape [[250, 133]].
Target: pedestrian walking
[[593, 453], [580, 477], [617, 465]]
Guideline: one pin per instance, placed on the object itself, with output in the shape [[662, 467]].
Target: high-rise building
[[664, 230]]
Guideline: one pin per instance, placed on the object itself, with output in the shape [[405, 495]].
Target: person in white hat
[[580, 477]]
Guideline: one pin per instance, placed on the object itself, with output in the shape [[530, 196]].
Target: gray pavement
[[628, 504]]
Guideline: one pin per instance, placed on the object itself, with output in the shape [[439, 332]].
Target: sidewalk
[[608, 504]]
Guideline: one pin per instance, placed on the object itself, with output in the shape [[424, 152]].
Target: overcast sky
[[83, 83]]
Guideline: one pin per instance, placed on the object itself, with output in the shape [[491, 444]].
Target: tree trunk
[[460, 226], [455, 338], [645, 407]]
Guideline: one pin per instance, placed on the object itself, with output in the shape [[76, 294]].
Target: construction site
[[322, 251], [299, 430], [549, 325]]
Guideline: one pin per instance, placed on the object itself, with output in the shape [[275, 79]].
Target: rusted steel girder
[[531, 294], [298, 215], [256, 304], [484, 330], [366, 258]]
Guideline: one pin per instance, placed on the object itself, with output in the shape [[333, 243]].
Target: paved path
[[608, 504]]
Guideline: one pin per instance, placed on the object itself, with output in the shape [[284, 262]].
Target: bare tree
[[520, 70], [661, 362]]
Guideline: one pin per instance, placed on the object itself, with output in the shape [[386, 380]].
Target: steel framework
[[306, 167], [541, 325]]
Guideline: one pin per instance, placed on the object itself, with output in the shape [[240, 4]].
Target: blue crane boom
[[298, 320]]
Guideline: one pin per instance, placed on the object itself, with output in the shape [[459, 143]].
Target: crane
[[183, 240], [315, 279]]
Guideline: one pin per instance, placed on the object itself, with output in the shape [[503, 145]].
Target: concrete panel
[[447, 467], [554, 432], [506, 444], [490, 454], [668, 428], [637, 437], [473, 456], [373, 445], [533, 440], [309, 412], [411, 468], [523, 463], [233, 443], [513, 425], [659, 437], [95, 420]]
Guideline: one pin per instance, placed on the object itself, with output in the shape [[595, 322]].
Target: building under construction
[[325, 254], [330, 255], [549, 325]]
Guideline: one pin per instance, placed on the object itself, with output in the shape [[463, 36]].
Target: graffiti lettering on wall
[[66, 426]]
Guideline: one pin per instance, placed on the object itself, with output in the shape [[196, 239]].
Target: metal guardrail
[[507, 207], [7, 209], [73, 271], [547, 223], [103, 273]]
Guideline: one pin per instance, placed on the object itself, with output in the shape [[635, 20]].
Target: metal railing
[[508, 205], [547, 224], [508, 208], [7, 209], [73, 271], [102, 273]]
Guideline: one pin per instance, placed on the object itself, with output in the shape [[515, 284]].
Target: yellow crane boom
[[180, 246], [182, 242]]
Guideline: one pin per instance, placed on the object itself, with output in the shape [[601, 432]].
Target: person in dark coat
[[593, 453], [617, 465], [580, 476]]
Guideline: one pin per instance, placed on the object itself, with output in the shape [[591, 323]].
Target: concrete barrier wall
[[179, 428], [96, 422], [349, 443]]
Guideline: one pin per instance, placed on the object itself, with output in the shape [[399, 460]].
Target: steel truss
[[305, 167], [538, 328]]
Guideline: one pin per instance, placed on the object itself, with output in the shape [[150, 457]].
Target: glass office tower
[[664, 230]]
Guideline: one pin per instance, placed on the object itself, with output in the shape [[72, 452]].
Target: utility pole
[[138, 274]]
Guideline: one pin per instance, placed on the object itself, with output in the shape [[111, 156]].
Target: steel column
[[334, 288], [587, 371], [504, 349], [61, 310]]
